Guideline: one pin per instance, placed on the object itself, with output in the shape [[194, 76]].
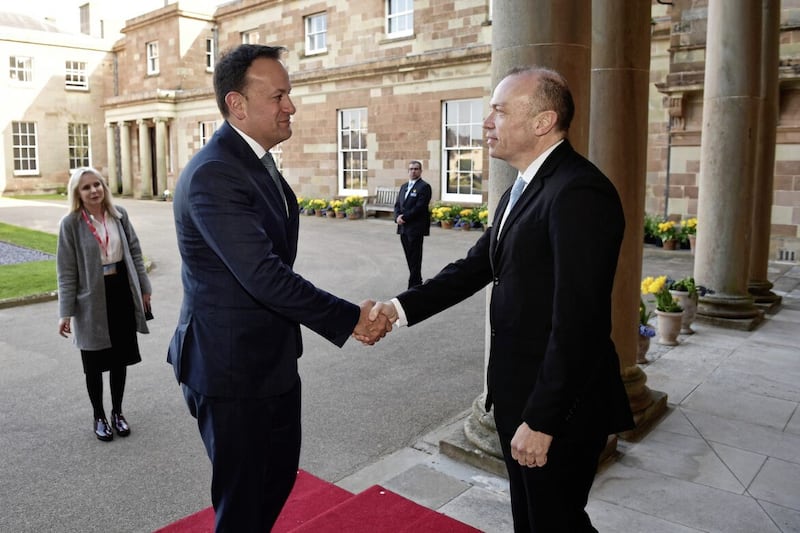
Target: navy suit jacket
[[238, 334], [552, 363], [414, 209]]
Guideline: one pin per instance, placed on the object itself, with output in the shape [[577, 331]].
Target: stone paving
[[725, 458]]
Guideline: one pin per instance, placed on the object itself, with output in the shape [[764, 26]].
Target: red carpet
[[377, 510], [310, 497], [318, 506]]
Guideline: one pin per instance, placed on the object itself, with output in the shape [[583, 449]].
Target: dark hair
[[415, 162], [231, 69], [551, 93]]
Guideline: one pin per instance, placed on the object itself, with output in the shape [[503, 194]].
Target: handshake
[[375, 321]]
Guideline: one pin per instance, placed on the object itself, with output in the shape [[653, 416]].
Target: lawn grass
[[33, 278]]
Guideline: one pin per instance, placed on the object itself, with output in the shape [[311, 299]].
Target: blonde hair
[[75, 203]]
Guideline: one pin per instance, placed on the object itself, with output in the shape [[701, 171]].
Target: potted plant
[[302, 204], [466, 218], [646, 332], [668, 232], [338, 208], [651, 229], [318, 205], [445, 215], [483, 216], [354, 206], [689, 232], [668, 310]]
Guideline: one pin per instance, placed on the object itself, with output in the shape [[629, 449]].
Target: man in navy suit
[[237, 342], [413, 219], [553, 375]]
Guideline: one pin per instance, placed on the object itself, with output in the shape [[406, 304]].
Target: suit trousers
[[254, 447], [552, 498], [412, 247]]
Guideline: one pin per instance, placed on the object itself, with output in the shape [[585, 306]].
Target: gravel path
[[11, 254]]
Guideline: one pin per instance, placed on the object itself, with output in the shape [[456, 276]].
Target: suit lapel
[[531, 191]]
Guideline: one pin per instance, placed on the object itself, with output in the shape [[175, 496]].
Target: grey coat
[[81, 289]]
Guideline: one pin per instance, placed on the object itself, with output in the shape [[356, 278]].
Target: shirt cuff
[[401, 313]]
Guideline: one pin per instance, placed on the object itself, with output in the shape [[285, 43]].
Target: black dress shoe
[[102, 429], [120, 424]]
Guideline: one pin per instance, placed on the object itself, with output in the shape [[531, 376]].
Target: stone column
[[161, 154], [125, 156], [527, 33], [111, 152], [618, 146], [727, 150], [145, 161], [759, 286]]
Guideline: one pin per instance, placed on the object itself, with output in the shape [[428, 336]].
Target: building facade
[[380, 82]]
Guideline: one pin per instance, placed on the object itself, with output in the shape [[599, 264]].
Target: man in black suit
[[413, 219], [237, 342], [553, 374]]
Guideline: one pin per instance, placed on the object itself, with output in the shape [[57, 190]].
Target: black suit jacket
[[552, 362], [238, 334], [414, 209]]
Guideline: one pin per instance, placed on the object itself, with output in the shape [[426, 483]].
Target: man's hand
[[400, 220], [529, 448], [370, 330], [385, 309]]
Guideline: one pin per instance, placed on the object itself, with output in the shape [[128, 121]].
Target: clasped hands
[[375, 321]]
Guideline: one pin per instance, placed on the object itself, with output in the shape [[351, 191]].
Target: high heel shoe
[[120, 424], [102, 429]]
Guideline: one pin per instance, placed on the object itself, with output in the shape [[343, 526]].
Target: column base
[[476, 442], [460, 444], [648, 405], [764, 298], [729, 311]]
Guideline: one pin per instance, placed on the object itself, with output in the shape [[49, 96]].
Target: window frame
[[72, 148], [363, 151], [202, 128], [475, 146], [211, 54], [152, 55], [76, 78], [250, 36], [17, 146], [313, 36], [85, 18], [392, 18], [20, 65]]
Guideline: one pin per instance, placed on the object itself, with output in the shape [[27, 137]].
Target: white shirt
[[527, 177]]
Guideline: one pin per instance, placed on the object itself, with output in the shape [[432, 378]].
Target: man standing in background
[[413, 220]]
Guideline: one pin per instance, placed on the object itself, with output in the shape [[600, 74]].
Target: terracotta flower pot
[[670, 244], [447, 224]]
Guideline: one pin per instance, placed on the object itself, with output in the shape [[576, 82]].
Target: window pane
[[463, 147]]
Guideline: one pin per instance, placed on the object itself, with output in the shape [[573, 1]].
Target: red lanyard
[[103, 246]]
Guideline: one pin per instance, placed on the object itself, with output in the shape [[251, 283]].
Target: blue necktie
[[516, 191], [272, 170]]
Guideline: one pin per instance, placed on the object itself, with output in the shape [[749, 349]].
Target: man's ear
[[545, 122], [236, 104]]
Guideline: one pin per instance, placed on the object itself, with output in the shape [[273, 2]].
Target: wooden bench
[[383, 200]]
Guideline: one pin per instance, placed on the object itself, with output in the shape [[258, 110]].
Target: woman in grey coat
[[103, 292]]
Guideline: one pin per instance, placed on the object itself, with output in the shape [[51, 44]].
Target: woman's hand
[[146, 301], [64, 328]]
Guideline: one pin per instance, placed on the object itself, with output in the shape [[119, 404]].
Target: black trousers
[[412, 247], [552, 498], [254, 447]]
